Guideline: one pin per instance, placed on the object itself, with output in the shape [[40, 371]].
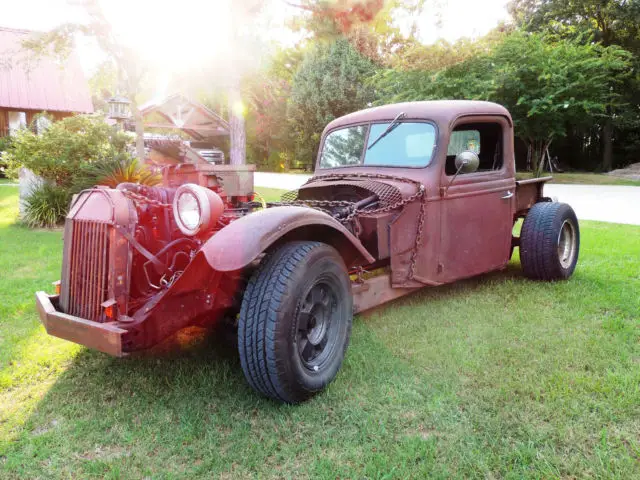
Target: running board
[[375, 291]]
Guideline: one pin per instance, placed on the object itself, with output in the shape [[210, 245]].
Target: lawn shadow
[[188, 401]]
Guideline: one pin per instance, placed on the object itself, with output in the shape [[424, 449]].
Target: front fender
[[239, 243]]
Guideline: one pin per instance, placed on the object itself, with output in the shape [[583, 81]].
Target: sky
[[159, 28]]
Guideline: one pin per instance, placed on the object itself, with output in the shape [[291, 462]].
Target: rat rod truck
[[404, 196]]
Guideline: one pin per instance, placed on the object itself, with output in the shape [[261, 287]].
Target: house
[[28, 86], [185, 140], [182, 130]]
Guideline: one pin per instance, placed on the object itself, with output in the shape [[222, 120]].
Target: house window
[[17, 120]]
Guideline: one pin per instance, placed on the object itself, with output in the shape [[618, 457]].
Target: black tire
[[549, 242], [295, 321]]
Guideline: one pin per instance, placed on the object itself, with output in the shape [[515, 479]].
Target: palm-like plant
[[116, 170]]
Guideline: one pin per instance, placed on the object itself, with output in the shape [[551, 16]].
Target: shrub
[[46, 205], [110, 172], [58, 153], [5, 143]]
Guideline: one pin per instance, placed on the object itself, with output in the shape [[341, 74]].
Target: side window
[[462, 140], [485, 139]]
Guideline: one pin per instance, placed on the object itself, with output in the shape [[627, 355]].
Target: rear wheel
[[549, 241], [295, 321]]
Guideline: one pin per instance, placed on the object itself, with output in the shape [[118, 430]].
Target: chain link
[[419, 234], [136, 197], [351, 217]]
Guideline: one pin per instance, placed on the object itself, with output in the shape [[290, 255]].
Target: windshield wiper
[[394, 123]]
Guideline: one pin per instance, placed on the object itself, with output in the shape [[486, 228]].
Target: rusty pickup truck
[[404, 196]]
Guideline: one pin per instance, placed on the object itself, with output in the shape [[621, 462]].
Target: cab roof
[[442, 112]]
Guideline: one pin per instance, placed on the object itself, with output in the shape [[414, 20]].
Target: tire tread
[[538, 241], [259, 313]]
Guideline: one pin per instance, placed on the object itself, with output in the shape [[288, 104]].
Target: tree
[[131, 70], [609, 22], [242, 12], [331, 82], [370, 25], [330, 19], [549, 85], [268, 133], [546, 84], [103, 85]]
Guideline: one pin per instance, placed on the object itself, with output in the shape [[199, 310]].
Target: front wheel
[[549, 241], [295, 321]]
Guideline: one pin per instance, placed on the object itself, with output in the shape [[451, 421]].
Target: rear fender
[[240, 243], [528, 193]]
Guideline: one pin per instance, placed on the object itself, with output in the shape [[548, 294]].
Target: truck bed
[[528, 192]]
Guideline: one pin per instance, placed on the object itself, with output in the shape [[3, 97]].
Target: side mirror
[[467, 162]]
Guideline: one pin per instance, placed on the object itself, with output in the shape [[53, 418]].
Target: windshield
[[409, 144]]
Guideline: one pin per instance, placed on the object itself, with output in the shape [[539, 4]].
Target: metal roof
[[44, 84], [180, 112]]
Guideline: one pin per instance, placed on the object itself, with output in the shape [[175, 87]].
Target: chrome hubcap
[[566, 244]]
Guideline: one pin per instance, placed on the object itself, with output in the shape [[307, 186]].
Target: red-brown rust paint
[[467, 231]]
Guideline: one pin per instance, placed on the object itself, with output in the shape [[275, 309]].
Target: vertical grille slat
[[98, 269], [93, 297], [75, 258], [87, 282], [104, 268], [83, 280]]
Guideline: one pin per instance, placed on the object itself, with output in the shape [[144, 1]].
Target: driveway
[[284, 181], [606, 203]]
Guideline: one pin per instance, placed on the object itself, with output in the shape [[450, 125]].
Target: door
[[476, 218]]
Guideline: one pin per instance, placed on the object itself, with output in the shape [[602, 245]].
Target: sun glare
[[173, 34]]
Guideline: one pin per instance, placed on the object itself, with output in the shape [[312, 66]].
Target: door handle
[[508, 195]]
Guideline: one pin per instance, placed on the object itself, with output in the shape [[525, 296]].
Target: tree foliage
[[114, 170], [546, 84], [369, 25], [608, 22], [270, 141], [61, 151], [566, 69], [604, 21], [331, 82]]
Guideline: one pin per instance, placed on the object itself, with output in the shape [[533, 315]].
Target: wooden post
[[139, 125], [237, 132]]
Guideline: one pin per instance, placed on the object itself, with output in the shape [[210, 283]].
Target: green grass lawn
[[494, 377], [584, 179], [270, 194], [6, 180]]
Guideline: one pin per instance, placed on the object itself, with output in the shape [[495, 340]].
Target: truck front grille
[[85, 288]]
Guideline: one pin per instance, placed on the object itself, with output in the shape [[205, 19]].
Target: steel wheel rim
[[566, 244], [317, 326]]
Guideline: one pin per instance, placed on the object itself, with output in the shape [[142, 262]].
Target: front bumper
[[98, 336]]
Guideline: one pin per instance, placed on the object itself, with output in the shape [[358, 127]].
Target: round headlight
[[189, 210], [196, 209]]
